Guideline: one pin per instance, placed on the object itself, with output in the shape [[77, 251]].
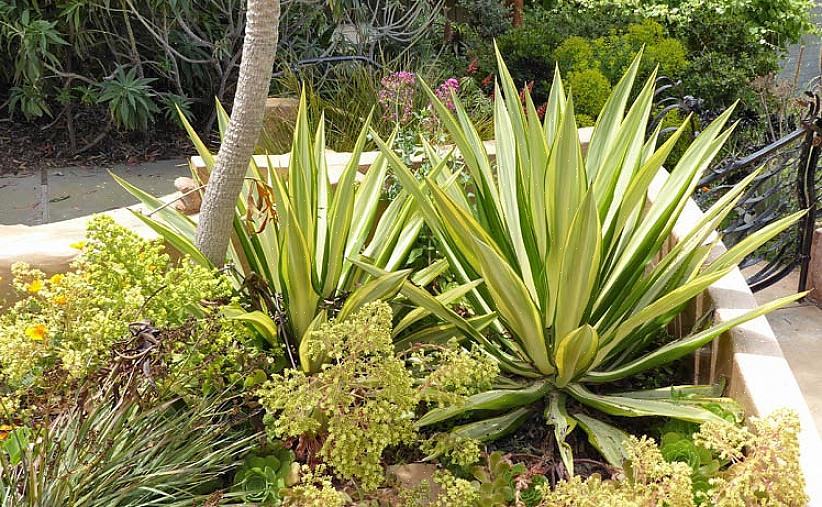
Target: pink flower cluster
[[446, 90], [397, 96]]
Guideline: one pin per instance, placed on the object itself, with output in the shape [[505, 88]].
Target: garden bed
[[748, 357]]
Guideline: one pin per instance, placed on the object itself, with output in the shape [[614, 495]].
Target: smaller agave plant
[[571, 254], [294, 239]]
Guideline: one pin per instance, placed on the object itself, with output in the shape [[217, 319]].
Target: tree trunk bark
[[517, 6], [226, 180]]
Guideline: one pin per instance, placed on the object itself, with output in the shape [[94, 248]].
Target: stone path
[[74, 192], [799, 331]]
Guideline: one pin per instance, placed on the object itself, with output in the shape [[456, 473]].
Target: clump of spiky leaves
[[125, 454], [572, 253], [295, 236], [364, 398]]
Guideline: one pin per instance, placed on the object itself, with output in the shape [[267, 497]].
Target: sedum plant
[[572, 258], [294, 239]]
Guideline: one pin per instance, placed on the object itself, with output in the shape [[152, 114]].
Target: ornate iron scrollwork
[[789, 182]]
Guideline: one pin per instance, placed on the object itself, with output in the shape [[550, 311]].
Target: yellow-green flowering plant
[[365, 397], [70, 320], [571, 254]]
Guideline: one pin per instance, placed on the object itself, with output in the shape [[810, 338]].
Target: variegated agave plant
[[570, 251], [295, 236]]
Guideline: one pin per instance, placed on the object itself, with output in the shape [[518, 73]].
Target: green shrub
[[575, 53], [766, 473], [365, 396], [590, 89]]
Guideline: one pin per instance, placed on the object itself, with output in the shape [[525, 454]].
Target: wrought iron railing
[[789, 181]]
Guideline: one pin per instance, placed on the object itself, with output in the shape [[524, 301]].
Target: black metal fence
[[789, 181]]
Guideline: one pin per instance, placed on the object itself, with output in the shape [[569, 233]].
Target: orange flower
[[36, 332], [35, 286], [5, 429]]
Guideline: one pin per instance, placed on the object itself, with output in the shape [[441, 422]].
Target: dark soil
[[32, 146]]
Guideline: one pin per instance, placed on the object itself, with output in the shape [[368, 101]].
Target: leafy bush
[[768, 473], [70, 321], [567, 329], [575, 53], [591, 89]]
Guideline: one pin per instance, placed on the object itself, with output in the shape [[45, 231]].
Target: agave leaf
[[671, 301], [624, 406], [175, 220], [428, 274], [446, 298], [223, 119], [610, 119], [674, 392], [492, 400], [202, 149], [442, 333], [607, 439], [574, 353], [556, 415], [509, 183], [495, 427], [176, 240], [382, 287], [322, 189], [257, 320], [753, 241], [620, 166], [684, 346], [555, 108], [295, 272], [578, 269], [341, 215], [514, 304], [490, 429], [425, 300]]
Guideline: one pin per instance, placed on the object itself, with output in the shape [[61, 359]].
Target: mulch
[[26, 147]]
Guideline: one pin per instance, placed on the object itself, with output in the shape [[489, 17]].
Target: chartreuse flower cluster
[[71, 320], [764, 460], [364, 398], [762, 469]]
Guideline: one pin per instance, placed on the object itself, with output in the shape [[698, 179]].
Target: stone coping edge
[[748, 356]]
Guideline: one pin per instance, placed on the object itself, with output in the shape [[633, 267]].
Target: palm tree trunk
[[226, 180]]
